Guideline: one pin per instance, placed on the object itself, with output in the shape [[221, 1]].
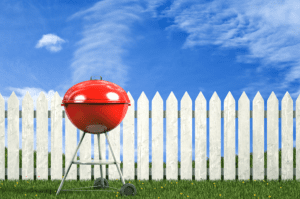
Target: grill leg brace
[[70, 164]]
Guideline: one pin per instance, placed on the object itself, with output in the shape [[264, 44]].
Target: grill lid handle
[[96, 79]]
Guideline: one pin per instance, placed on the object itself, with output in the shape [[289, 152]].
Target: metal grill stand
[[102, 183]]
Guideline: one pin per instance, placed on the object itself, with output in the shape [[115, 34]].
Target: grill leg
[[100, 158], [70, 164], [115, 159]]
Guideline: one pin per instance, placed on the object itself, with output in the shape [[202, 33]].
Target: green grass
[[157, 189]]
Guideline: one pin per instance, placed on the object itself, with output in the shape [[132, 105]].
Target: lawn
[[156, 189]]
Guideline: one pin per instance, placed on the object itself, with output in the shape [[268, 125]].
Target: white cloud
[[106, 33], [269, 30], [51, 42]]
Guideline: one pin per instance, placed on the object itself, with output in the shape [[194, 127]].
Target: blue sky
[[152, 46]]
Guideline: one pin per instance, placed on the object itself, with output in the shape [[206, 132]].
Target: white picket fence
[[157, 114]]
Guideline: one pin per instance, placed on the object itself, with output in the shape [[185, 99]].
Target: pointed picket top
[[200, 98], [229, 95], [215, 105], [186, 98], [272, 107], [13, 96], [55, 101], [258, 98], [244, 97], [27, 101], [272, 98], [55, 97], [258, 102], [214, 98], [143, 98], [172, 103], [27, 96], [229, 101], [142, 105], [41, 98], [200, 103], [244, 102], [286, 98], [287, 110], [157, 99], [200, 106], [13, 100], [171, 97], [42, 103], [186, 112]]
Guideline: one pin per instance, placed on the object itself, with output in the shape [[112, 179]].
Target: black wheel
[[99, 185], [128, 190]]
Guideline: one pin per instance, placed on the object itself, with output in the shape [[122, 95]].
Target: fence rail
[[157, 114], [164, 114], [150, 171]]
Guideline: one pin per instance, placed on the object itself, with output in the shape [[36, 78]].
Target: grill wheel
[[128, 190]]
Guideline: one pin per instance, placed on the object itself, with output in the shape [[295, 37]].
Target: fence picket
[[85, 154], [186, 138], [70, 147], [172, 139], [114, 138], [229, 137], [56, 138], [157, 137], [244, 137], [13, 137], [287, 137], [200, 137], [272, 138], [27, 137], [215, 137], [143, 137], [42, 137], [128, 141], [258, 137]]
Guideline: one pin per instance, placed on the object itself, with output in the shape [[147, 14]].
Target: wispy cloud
[[269, 30], [106, 34], [51, 42]]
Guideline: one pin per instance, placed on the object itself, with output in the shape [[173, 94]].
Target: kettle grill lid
[[96, 91]]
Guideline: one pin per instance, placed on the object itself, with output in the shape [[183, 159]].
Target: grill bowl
[[96, 106], [96, 118]]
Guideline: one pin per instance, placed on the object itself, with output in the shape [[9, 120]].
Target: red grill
[[97, 106]]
